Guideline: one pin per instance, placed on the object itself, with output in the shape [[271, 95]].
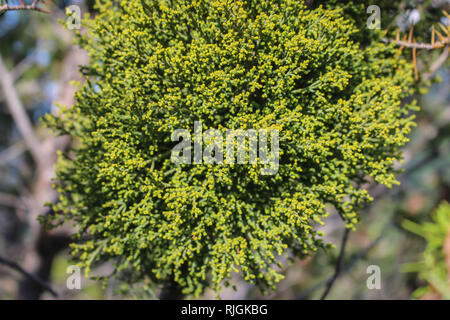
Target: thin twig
[[427, 46], [19, 114], [11, 201], [437, 64], [31, 276], [339, 265], [22, 7], [23, 66], [12, 152], [347, 268]]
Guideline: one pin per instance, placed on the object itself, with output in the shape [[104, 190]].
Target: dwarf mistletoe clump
[[157, 66]]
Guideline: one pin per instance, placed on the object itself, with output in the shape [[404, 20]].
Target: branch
[[12, 152], [23, 66], [19, 114], [408, 44], [362, 254], [437, 64], [338, 267], [31, 276], [11, 201], [22, 7]]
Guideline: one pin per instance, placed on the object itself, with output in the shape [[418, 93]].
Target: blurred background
[[37, 66]]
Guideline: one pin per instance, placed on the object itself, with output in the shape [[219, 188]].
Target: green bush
[[434, 268], [158, 66]]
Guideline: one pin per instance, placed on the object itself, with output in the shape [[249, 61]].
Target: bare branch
[[12, 152], [22, 7], [19, 114], [427, 46], [339, 265], [437, 64], [23, 66], [31, 276], [349, 266], [11, 201]]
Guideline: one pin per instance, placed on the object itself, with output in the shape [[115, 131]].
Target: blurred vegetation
[[435, 266]]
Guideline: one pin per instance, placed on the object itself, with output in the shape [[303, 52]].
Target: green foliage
[[435, 266], [157, 66]]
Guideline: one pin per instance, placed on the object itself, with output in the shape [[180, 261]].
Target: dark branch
[[31, 276], [361, 255], [339, 265]]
